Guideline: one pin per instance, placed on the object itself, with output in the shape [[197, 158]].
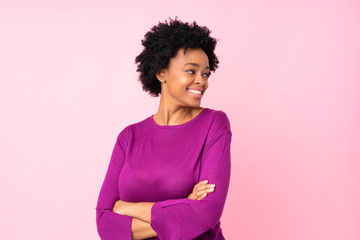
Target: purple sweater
[[162, 164]]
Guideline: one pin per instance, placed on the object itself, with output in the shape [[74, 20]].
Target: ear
[[161, 75]]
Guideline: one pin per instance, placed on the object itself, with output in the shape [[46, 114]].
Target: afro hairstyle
[[162, 43]]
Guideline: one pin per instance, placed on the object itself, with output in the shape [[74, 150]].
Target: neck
[[174, 114]]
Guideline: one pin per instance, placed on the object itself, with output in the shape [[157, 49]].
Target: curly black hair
[[162, 43]]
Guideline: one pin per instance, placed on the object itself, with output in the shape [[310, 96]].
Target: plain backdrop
[[288, 79]]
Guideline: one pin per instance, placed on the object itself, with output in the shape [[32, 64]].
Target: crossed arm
[[166, 219], [141, 211]]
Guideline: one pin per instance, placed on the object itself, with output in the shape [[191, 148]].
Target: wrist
[[122, 207], [127, 207], [140, 210]]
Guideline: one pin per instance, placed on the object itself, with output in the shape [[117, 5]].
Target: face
[[185, 81]]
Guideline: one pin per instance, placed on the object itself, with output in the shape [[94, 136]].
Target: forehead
[[192, 55]]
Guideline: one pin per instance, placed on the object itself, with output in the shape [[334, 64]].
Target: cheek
[[179, 80], [177, 84]]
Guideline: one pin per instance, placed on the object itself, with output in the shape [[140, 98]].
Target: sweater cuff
[[161, 219], [112, 225]]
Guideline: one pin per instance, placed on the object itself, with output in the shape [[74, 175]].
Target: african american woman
[[169, 174]]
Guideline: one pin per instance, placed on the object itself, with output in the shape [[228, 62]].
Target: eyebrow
[[196, 65]]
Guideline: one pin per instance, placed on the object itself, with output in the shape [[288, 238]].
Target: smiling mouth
[[195, 93]]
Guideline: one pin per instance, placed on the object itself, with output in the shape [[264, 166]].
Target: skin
[[177, 106]]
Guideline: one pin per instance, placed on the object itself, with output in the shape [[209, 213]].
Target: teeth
[[194, 91]]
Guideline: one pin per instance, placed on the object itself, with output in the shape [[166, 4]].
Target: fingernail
[[204, 194], [206, 181], [211, 189], [212, 185]]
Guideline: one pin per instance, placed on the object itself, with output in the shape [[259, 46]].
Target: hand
[[120, 207], [201, 190]]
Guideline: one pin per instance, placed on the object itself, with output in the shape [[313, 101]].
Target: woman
[[160, 183]]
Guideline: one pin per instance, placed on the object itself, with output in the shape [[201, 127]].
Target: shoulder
[[125, 135], [219, 120]]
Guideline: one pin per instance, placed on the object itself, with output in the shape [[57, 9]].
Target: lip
[[198, 89], [196, 95]]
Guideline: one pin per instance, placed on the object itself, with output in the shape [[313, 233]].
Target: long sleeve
[[111, 225], [188, 219]]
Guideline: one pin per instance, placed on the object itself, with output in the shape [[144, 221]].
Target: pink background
[[289, 81]]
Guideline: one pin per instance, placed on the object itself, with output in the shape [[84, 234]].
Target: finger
[[195, 197], [202, 196], [191, 196], [199, 188], [200, 193], [199, 184], [207, 186]]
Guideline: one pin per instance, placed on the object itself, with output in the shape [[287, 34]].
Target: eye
[[207, 74], [190, 71]]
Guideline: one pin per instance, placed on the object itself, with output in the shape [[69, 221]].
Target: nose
[[199, 79]]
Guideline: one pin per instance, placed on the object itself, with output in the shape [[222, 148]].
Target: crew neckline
[[179, 125]]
